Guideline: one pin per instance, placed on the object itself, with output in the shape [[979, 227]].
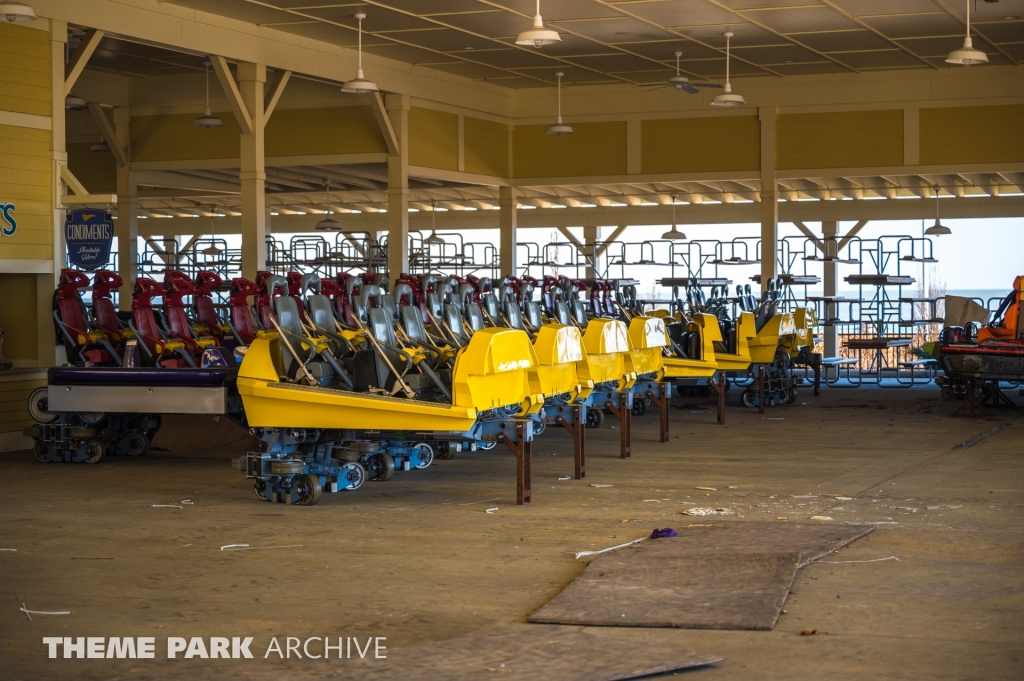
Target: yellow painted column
[[47, 353], [769, 197], [253, 175], [126, 227], [398, 187], [508, 238]]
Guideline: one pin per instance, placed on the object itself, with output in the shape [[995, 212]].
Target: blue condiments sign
[[89, 234]]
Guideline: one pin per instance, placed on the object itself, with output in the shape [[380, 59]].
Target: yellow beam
[[273, 95], [384, 121], [109, 135], [80, 58], [227, 82], [88, 199]]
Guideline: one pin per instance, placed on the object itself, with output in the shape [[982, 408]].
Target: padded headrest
[[526, 292], [147, 288], [294, 283], [465, 294], [241, 289], [72, 279], [353, 284], [206, 281], [382, 282], [310, 282], [103, 281], [329, 288], [403, 291], [485, 284], [370, 291], [275, 282], [261, 279], [178, 282]]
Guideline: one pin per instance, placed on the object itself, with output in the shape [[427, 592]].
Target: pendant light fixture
[[938, 229], [559, 128], [433, 239], [674, 234], [967, 55], [212, 249], [359, 85], [538, 35], [74, 102], [207, 120], [727, 98], [328, 224], [100, 147], [15, 12]]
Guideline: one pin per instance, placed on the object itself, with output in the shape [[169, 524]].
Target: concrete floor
[[417, 559]]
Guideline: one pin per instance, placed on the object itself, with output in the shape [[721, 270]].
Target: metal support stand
[[973, 404], [576, 427], [719, 387], [523, 449], [760, 388], [661, 399], [624, 413]]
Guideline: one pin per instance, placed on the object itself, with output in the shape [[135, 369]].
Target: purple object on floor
[[662, 534]]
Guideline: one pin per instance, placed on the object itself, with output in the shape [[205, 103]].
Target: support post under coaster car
[[322, 438], [606, 351], [646, 359]]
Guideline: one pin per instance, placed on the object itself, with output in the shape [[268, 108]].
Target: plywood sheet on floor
[[718, 576]]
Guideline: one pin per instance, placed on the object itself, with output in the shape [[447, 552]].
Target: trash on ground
[[613, 427], [804, 496], [843, 498], [773, 418], [809, 632], [657, 501], [697, 510], [936, 508], [246, 547], [594, 485], [820, 517], [187, 501], [232, 546], [482, 501], [664, 533], [565, 477], [710, 489], [782, 517], [8, 549], [582, 554], [29, 612], [873, 560], [163, 506], [491, 510], [734, 486]]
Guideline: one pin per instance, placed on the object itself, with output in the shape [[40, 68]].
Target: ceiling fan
[[681, 82]]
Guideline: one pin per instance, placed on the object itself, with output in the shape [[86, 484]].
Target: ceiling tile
[[802, 19], [329, 33], [467, 70], [809, 69], [616, 30], [860, 8], [761, 4], [663, 50], [254, 14], [554, 10], [680, 12], [377, 19], [614, 63], [776, 55], [1003, 32], [918, 25], [988, 11], [844, 41], [408, 54], [513, 58], [933, 47], [891, 58], [440, 39], [1015, 51], [494, 23], [745, 35], [421, 7]]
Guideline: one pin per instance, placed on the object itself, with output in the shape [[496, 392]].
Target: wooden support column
[[769, 197], [398, 186], [126, 227], [507, 225], [830, 232], [253, 174]]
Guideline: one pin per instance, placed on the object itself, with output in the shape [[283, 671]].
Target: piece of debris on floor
[[699, 511], [809, 632]]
